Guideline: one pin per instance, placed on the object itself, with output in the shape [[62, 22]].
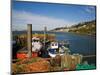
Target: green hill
[[84, 28], [88, 28]]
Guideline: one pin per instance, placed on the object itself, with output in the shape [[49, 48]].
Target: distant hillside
[[82, 28]]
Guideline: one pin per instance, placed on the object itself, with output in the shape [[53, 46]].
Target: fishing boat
[[36, 44], [57, 48]]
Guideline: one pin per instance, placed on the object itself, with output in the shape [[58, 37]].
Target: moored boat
[[57, 48]]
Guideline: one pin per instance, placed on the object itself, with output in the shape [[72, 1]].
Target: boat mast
[[45, 30]]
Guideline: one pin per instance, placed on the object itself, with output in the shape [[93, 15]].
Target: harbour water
[[82, 44]]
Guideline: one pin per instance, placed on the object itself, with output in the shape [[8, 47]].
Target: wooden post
[[29, 39]]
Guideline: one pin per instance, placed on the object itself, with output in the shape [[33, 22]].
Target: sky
[[52, 15]]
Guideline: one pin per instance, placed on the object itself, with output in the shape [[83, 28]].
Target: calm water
[[79, 43], [82, 44]]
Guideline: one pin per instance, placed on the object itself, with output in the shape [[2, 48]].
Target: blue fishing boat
[[57, 48]]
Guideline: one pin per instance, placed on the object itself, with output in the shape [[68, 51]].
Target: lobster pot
[[78, 58], [66, 61]]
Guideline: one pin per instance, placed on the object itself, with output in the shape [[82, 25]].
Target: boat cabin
[[54, 45], [36, 44]]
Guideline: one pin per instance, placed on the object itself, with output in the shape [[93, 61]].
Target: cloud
[[20, 19], [90, 9]]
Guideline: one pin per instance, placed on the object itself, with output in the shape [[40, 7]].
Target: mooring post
[[29, 39]]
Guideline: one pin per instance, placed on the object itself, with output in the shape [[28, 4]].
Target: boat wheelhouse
[[36, 44]]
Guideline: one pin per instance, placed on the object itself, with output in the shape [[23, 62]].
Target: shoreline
[[94, 35], [74, 33]]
